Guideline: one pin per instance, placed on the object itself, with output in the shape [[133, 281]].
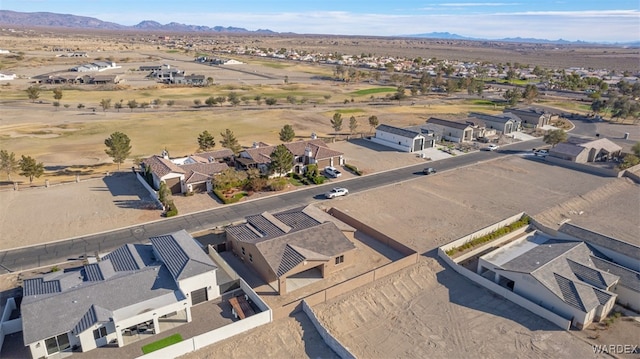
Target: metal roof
[[398, 131], [182, 255]]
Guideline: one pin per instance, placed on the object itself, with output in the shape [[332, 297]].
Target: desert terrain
[[422, 311]]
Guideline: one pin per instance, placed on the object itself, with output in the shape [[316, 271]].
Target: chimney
[[307, 152], [255, 145], [314, 136], [165, 154]]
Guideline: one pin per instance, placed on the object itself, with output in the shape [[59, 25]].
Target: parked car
[[332, 172], [541, 153], [336, 192], [429, 170], [492, 147]]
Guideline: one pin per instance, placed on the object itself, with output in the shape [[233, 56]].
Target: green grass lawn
[[162, 343], [374, 90]]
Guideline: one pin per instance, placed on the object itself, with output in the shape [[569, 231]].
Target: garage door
[[173, 184], [200, 187], [199, 296]]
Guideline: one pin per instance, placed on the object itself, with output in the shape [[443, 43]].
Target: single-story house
[[450, 130], [182, 79], [559, 275], [305, 152], [281, 246], [406, 140], [531, 117], [184, 175], [137, 288], [504, 124], [581, 150]]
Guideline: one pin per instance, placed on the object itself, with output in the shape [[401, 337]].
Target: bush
[[319, 179], [353, 169], [278, 184], [172, 210], [523, 221]]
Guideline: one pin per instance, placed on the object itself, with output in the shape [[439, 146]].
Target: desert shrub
[[277, 184], [319, 179], [172, 210], [256, 184], [55, 269], [353, 169]]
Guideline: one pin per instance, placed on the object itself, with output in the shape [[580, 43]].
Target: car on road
[[336, 192], [332, 172], [491, 147], [541, 153], [429, 170]]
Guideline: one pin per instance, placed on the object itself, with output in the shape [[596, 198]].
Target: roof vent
[[74, 301]]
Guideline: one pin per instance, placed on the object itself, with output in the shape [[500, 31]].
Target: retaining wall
[[599, 171], [331, 341], [152, 192], [221, 263]]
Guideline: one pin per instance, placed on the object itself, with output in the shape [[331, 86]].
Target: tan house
[[307, 152], [186, 174], [450, 130], [581, 150], [283, 246]]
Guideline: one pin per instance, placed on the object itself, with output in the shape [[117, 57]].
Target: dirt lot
[[40, 215]]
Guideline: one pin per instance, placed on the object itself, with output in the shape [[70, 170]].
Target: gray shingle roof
[[259, 227], [398, 131], [182, 255], [491, 118], [447, 123], [594, 238], [565, 269], [566, 149], [628, 278]]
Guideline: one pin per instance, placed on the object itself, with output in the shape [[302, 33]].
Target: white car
[[492, 147], [332, 172], [336, 192], [541, 153]]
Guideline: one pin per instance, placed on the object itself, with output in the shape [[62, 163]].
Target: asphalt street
[[75, 248]]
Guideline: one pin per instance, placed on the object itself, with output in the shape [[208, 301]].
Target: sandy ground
[[293, 337], [40, 215]]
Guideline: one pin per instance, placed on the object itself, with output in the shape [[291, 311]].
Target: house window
[[100, 333], [242, 250], [57, 344], [250, 257], [339, 259]]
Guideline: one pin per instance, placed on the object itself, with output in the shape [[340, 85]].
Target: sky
[[586, 20]]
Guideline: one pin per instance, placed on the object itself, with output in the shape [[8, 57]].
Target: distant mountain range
[[48, 19], [450, 36]]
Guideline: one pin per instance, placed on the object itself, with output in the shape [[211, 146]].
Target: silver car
[[336, 192]]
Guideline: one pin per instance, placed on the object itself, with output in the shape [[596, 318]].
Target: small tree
[[210, 101], [229, 141], [271, 101], [530, 93], [353, 124], [118, 106], [33, 92], [373, 122], [206, 141], [171, 103], [57, 94], [287, 134], [336, 122], [233, 98], [30, 168], [281, 160], [132, 104], [636, 149], [144, 105], [512, 95], [553, 137], [80, 106], [105, 103], [56, 104], [8, 163], [197, 102], [118, 147]]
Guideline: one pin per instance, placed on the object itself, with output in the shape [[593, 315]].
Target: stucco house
[[185, 174], [559, 275], [582, 150], [305, 152], [504, 124], [284, 245], [406, 140], [531, 117], [137, 288], [450, 130]]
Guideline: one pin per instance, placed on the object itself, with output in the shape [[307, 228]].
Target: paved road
[[58, 252]]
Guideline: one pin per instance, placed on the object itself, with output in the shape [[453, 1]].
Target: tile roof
[[628, 277], [200, 172], [109, 290], [398, 131], [216, 155], [260, 154], [565, 269], [259, 227], [161, 166], [447, 123], [182, 255]]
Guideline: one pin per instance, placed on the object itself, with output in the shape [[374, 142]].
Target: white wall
[[331, 341], [205, 280], [391, 140], [627, 297]]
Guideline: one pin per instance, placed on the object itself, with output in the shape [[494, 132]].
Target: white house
[[402, 139], [7, 77], [134, 289], [559, 275], [450, 130]]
